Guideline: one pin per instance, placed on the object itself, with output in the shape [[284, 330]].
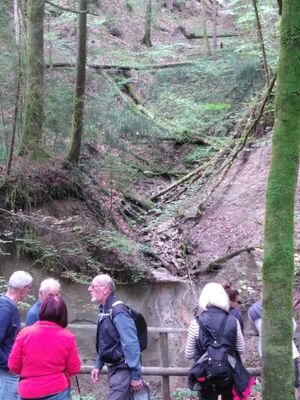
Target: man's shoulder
[[118, 307], [5, 302], [33, 313]]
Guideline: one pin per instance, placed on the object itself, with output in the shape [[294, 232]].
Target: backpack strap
[[221, 330], [205, 330], [112, 311]]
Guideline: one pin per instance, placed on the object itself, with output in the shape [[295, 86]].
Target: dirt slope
[[233, 217]]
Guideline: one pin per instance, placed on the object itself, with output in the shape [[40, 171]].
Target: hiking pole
[[78, 387]]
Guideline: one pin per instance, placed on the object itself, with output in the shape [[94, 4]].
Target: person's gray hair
[[213, 294], [106, 280], [20, 279], [50, 284]]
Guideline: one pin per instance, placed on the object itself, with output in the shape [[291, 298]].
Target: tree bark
[[78, 112], [278, 265], [32, 133], [148, 21]]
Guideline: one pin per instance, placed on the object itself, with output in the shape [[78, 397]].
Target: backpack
[[140, 324], [215, 366]]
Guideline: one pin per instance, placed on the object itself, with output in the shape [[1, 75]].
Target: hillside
[[153, 115]]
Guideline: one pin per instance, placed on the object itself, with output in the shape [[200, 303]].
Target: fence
[[165, 371]]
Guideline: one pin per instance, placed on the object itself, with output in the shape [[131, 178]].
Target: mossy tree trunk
[[148, 21], [32, 132], [278, 266], [78, 112]]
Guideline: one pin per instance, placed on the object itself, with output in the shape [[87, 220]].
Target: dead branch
[[188, 35], [215, 265]]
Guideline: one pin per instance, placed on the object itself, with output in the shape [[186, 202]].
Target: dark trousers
[[212, 392], [119, 383]]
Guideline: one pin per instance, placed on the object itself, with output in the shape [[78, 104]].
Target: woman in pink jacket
[[45, 354]]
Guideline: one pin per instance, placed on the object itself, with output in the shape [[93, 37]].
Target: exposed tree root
[[217, 263]]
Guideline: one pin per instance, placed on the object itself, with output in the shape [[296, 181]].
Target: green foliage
[[58, 103], [199, 153], [183, 394], [113, 240]]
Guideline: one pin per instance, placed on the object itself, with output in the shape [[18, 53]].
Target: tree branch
[[70, 9]]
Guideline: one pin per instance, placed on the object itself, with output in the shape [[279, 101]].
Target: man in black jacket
[[117, 343]]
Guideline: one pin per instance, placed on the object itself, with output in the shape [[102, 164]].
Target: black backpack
[[215, 365], [140, 324]]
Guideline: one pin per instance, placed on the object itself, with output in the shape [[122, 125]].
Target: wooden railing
[[165, 371]]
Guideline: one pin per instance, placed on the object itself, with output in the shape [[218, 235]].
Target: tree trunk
[[261, 43], [215, 30], [148, 20], [31, 139], [204, 21], [278, 265], [77, 119]]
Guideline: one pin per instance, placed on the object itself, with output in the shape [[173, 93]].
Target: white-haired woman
[[213, 317]]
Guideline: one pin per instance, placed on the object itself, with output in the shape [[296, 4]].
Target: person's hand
[[137, 384], [95, 374]]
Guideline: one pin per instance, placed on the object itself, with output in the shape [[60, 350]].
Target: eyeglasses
[[93, 286]]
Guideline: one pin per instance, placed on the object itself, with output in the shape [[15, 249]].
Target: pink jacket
[[45, 356]]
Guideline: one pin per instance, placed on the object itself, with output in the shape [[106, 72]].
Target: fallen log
[[124, 67]]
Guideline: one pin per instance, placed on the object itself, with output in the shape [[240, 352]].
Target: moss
[[278, 266]]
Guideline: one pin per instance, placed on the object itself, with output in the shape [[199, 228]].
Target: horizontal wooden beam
[[163, 371]]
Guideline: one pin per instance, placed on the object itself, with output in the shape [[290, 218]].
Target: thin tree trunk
[[215, 30], [78, 112], [261, 43], [204, 22], [148, 20], [13, 135], [278, 265], [32, 134]]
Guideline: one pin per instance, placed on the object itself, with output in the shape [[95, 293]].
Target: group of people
[[37, 362]]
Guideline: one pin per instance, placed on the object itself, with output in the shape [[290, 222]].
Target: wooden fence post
[[164, 350]]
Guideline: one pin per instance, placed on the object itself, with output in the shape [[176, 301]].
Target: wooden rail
[[165, 371]]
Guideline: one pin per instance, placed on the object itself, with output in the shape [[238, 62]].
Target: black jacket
[[211, 320], [108, 344]]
